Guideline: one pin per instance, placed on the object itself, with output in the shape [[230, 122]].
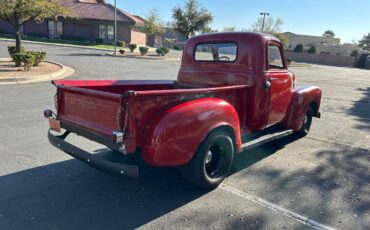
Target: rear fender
[[303, 98], [173, 136]]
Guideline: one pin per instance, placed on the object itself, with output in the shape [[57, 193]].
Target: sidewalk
[[60, 44], [74, 46]]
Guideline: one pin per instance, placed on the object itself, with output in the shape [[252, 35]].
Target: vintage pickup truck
[[233, 91]]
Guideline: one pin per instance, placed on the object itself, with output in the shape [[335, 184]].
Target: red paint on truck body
[[167, 120]]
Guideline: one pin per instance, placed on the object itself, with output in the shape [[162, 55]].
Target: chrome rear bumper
[[116, 169]]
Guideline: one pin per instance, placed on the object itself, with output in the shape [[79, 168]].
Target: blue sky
[[348, 19]]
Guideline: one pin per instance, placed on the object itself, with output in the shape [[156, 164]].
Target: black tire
[[306, 126], [212, 162]]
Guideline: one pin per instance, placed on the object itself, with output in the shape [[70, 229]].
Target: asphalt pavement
[[321, 181]]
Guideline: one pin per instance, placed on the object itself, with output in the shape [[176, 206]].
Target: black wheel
[[212, 162], [306, 126]]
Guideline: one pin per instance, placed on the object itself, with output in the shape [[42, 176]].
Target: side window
[[216, 52], [275, 59]]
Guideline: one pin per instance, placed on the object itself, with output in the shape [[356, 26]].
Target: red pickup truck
[[233, 91]]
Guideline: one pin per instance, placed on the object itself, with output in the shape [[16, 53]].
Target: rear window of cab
[[216, 52]]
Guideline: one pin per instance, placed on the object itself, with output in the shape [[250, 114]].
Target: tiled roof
[[95, 9]]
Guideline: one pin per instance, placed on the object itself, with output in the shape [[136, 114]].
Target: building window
[[216, 52], [274, 57], [110, 33], [59, 28], [106, 32], [55, 29], [51, 28], [102, 31]]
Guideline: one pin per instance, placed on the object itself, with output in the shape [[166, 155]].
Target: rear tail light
[[48, 113]]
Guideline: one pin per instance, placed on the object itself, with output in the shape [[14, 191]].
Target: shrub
[[143, 50], [165, 50], [39, 57], [121, 43], [132, 47], [122, 51], [311, 50], [11, 50], [298, 48], [99, 40], [288, 61], [27, 59], [176, 47], [354, 53], [160, 52]]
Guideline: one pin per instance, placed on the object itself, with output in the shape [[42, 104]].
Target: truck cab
[[231, 89]]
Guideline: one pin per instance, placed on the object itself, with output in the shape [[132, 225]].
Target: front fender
[[173, 136], [303, 97]]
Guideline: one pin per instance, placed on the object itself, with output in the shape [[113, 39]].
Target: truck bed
[[96, 109]]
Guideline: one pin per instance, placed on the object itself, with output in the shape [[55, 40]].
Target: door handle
[[273, 78]]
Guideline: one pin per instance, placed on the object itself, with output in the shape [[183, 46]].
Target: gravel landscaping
[[7, 69]]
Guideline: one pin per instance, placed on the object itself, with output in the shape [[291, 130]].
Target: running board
[[265, 139]]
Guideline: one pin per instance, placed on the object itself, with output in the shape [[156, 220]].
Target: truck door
[[280, 82]]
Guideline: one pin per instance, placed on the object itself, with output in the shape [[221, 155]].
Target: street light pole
[[115, 27], [264, 18]]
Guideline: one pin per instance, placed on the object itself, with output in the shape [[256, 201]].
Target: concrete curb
[[64, 72], [145, 57], [57, 44]]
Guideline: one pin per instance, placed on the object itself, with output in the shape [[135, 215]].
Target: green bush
[[176, 47], [12, 51], [39, 57], [27, 59], [132, 47], [354, 53], [165, 50], [143, 50], [122, 51], [99, 40], [311, 50], [160, 52], [298, 48], [121, 43]]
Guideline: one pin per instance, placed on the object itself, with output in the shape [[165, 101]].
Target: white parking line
[[258, 200], [335, 142]]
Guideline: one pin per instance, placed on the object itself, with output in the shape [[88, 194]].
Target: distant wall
[[5, 27], [36, 28], [155, 40], [124, 32], [334, 60], [138, 38]]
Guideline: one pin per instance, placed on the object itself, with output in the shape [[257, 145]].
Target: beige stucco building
[[323, 45]]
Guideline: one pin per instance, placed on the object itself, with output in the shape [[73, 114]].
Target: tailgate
[[93, 110]]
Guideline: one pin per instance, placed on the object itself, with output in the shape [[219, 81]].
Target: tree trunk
[[17, 45], [18, 41], [187, 36]]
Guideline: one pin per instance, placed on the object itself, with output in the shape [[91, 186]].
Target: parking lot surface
[[321, 181]]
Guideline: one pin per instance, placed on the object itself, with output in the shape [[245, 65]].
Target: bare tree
[[271, 25]]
